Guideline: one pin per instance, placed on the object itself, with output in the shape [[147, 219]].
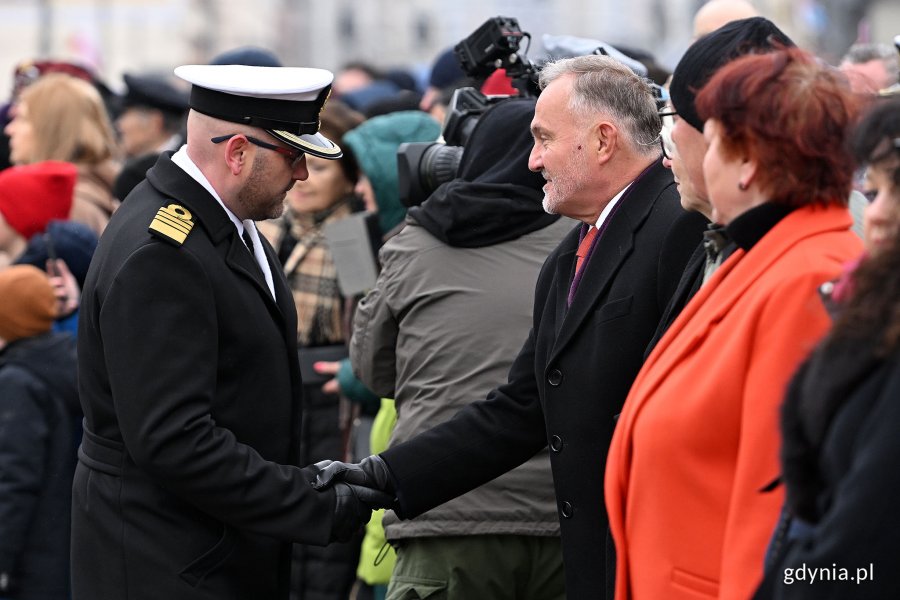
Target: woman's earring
[[742, 186]]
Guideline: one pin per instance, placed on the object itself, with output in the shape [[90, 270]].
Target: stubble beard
[[563, 186], [255, 198]]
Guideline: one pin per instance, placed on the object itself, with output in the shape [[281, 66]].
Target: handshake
[[359, 489]]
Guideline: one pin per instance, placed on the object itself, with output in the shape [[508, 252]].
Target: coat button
[[556, 443], [566, 510], [554, 378]]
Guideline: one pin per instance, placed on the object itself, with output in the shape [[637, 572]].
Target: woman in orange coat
[[692, 473]]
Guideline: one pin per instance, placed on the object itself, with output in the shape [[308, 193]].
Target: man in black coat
[[187, 485], [596, 143]]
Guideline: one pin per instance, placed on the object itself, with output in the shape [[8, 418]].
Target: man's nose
[[301, 172], [534, 159]]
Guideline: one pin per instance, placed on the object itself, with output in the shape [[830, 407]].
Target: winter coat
[[39, 420], [187, 485], [697, 441]]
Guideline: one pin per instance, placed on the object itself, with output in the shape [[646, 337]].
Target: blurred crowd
[[744, 378]]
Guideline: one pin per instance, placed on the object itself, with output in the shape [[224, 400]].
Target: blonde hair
[[68, 120]]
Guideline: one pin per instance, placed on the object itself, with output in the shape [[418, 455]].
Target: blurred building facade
[[117, 36]]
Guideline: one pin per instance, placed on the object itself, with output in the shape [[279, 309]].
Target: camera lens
[[439, 164]]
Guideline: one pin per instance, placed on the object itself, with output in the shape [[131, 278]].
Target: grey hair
[[862, 53], [604, 85]]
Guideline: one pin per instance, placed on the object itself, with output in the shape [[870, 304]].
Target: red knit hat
[[33, 195], [27, 302]]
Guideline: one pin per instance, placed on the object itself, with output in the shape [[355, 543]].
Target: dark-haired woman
[[696, 444], [841, 415]]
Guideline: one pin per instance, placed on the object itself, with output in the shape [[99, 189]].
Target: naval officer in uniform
[[187, 485]]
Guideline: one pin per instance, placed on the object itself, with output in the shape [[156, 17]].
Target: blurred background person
[[152, 120], [28, 71], [323, 331], [30, 197], [871, 67], [39, 419], [152, 116], [71, 246], [840, 416], [445, 76], [875, 136], [697, 440], [443, 324], [253, 56], [715, 13], [60, 117], [361, 86]]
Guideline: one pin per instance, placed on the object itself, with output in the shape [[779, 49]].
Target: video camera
[[423, 166]]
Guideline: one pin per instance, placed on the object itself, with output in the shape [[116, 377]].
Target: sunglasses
[[292, 154]]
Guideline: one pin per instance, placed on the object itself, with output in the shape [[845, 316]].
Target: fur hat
[[704, 57], [33, 195], [27, 302]]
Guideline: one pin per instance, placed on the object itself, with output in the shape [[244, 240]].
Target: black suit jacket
[[569, 380], [190, 386]]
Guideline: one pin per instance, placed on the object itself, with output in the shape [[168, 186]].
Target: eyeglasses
[[292, 154], [665, 135]]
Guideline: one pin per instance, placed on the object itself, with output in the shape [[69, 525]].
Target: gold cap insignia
[[173, 222]]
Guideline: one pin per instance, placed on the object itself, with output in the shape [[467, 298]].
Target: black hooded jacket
[[39, 423], [480, 207]]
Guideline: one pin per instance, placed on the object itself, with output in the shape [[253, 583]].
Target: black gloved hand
[[350, 513], [371, 472]]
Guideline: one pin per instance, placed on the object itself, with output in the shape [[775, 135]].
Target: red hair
[[793, 116]]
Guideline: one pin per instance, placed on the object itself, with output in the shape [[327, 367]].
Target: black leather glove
[[371, 473], [351, 513]]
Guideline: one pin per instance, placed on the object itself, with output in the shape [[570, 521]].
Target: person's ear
[[606, 138], [236, 154], [747, 173]]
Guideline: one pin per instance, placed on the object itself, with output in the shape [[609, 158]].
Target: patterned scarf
[[310, 272]]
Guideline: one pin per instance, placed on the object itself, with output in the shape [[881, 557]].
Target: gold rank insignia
[[173, 222]]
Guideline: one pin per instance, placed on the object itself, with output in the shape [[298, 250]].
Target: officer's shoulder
[[172, 223]]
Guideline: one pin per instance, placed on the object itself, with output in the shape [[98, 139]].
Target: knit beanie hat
[[27, 302], [704, 57], [33, 195], [445, 70], [71, 241]]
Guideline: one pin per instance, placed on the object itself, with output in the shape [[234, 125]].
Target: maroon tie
[[584, 247]]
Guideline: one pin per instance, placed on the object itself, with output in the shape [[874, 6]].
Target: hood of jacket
[[374, 143], [495, 197]]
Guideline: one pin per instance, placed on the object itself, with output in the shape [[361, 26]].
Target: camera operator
[[454, 299]]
